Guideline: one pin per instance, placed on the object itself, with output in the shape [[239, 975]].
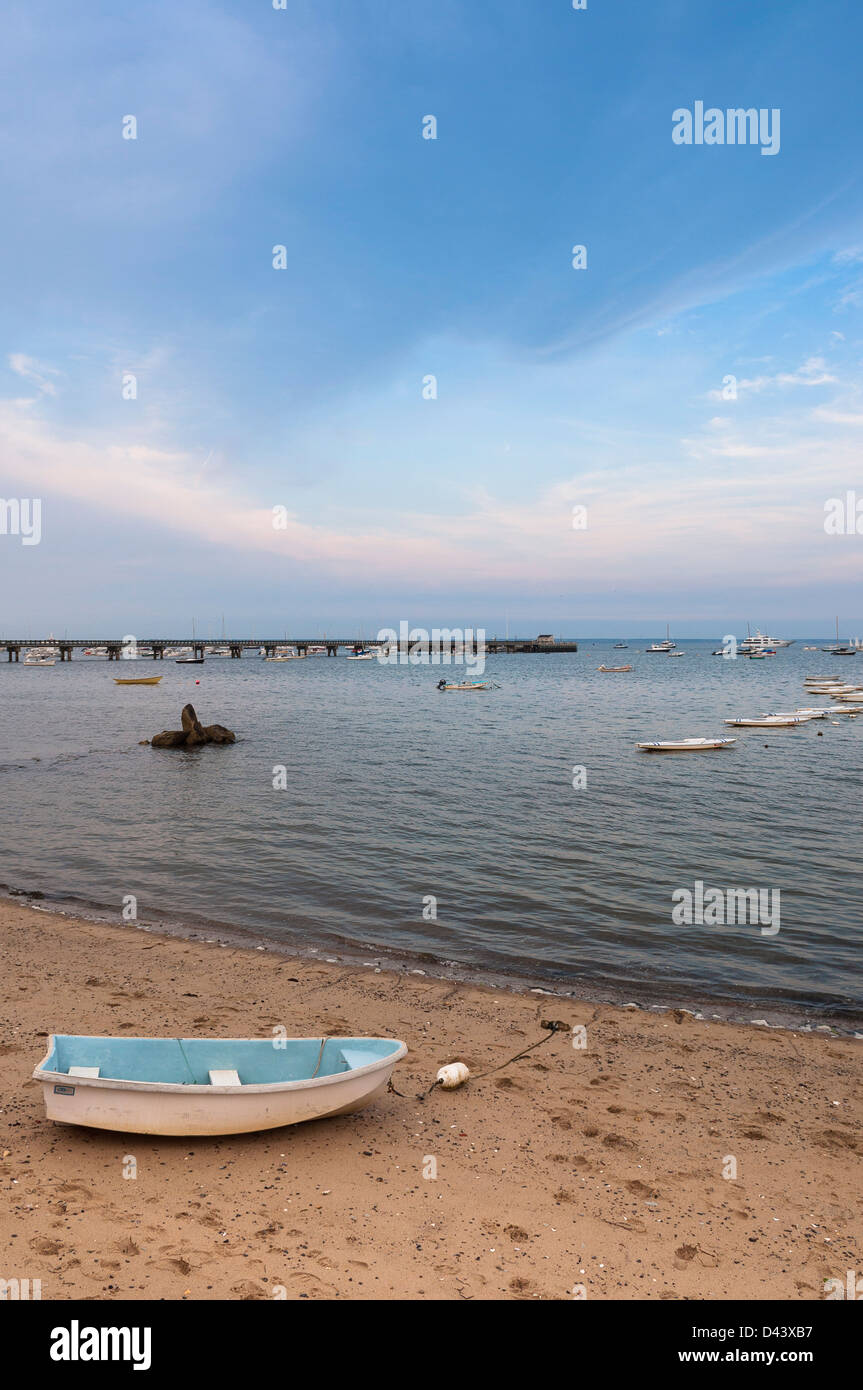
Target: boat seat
[[356, 1057], [84, 1071], [225, 1078]]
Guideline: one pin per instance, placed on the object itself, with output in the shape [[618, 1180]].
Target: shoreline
[[777, 1014], [602, 1167]]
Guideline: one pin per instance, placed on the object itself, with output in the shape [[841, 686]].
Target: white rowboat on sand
[[199, 1086]]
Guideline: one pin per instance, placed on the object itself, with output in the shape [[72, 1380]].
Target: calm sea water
[[395, 792]]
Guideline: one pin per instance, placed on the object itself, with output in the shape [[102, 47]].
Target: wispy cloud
[[639, 516], [37, 373], [813, 372]]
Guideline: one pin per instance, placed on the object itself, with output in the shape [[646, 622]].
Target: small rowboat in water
[[465, 685], [814, 712], [609, 669], [769, 721], [686, 745], [137, 680], [193, 1086]]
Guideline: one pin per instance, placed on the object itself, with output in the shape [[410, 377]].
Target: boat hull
[[686, 746], [164, 1113], [158, 1108]]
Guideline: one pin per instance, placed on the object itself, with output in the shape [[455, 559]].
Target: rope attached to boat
[[186, 1060], [324, 1042], [552, 1025]]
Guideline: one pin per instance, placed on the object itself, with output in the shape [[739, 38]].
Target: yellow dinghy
[[138, 680]]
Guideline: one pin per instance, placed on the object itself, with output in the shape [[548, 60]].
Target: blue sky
[[406, 257]]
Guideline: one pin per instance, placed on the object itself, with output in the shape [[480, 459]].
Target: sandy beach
[[599, 1167]]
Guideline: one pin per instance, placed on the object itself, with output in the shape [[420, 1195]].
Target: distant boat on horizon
[[839, 648], [760, 643], [666, 646]]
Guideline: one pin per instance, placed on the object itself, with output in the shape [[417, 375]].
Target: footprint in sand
[[309, 1284], [523, 1288], [617, 1141], [41, 1246], [838, 1141], [516, 1233], [248, 1290], [640, 1189], [126, 1247]]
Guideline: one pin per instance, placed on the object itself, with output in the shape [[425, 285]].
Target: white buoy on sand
[[456, 1074]]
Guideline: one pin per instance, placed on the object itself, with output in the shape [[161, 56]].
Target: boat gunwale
[[198, 1088]]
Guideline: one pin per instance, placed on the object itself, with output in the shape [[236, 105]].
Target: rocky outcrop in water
[[193, 733]]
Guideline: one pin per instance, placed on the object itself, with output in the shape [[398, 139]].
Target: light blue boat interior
[[189, 1061]]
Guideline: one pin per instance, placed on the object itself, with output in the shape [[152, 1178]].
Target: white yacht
[[760, 643], [667, 646]]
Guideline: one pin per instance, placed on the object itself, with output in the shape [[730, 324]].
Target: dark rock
[[175, 738], [217, 733], [192, 725], [193, 734]]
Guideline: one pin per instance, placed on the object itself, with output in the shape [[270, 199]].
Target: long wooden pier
[[114, 646]]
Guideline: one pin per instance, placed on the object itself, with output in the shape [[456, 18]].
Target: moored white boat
[[840, 648], [810, 713], [464, 685], [286, 654], [665, 646], [770, 721], [761, 643], [686, 745], [199, 1086]]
